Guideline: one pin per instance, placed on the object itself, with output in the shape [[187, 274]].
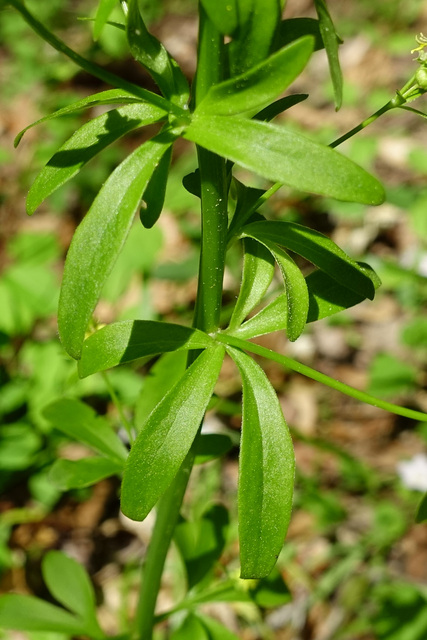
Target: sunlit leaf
[[273, 317], [266, 472], [223, 13], [99, 239], [85, 143], [132, 339], [284, 156], [77, 474], [166, 438], [103, 12], [260, 85]]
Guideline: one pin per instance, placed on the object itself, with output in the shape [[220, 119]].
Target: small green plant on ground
[[247, 57]]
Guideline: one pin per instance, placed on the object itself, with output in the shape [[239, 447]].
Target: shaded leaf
[[85, 144], [260, 85], [271, 591], [266, 472], [316, 248], [331, 41], [216, 631], [258, 271], [69, 584], [422, 510], [99, 238], [211, 446], [285, 156], [190, 628], [223, 13], [129, 340], [328, 297], [166, 438], [294, 28], [112, 96], [27, 613], [201, 542], [279, 106], [273, 317], [154, 195], [77, 474], [80, 422]]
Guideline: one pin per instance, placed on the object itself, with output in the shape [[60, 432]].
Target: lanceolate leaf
[[99, 239], [316, 248], [266, 472], [26, 613], [69, 584], [86, 143], [151, 53], [113, 96], [77, 474], [294, 28], [129, 340], [223, 13], [166, 438], [258, 271], [80, 422], [260, 85], [331, 42], [281, 105], [295, 290], [328, 297], [285, 156], [272, 317], [154, 195]]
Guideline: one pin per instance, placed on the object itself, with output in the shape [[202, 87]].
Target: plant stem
[[206, 317]]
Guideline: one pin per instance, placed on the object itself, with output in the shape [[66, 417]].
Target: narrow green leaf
[[266, 472], [253, 40], [279, 106], [201, 542], [216, 631], [80, 422], [211, 446], [103, 12], [151, 53], [69, 584], [422, 510], [166, 438], [86, 143], [327, 297], [154, 195], [295, 290], [168, 369], [129, 340], [416, 111], [113, 96], [331, 41], [77, 474], [260, 85], [272, 317], [224, 14], [294, 28], [27, 613], [258, 271], [271, 591], [285, 156], [100, 238], [316, 248]]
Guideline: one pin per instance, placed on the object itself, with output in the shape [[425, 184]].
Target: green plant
[[227, 114]]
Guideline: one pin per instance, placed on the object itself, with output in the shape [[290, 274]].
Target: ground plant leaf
[[211, 446], [69, 584], [258, 272], [331, 41], [78, 474], [266, 472], [273, 317], [261, 84], [279, 106], [105, 7], [294, 28], [85, 144], [129, 340], [99, 239], [281, 155], [80, 422], [166, 438], [318, 249], [154, 195], [27, 613], [223, 13]]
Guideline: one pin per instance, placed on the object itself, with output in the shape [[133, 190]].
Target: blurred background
[[354, 562]]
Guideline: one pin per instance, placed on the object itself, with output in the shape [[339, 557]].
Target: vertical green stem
[[206, 317]]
